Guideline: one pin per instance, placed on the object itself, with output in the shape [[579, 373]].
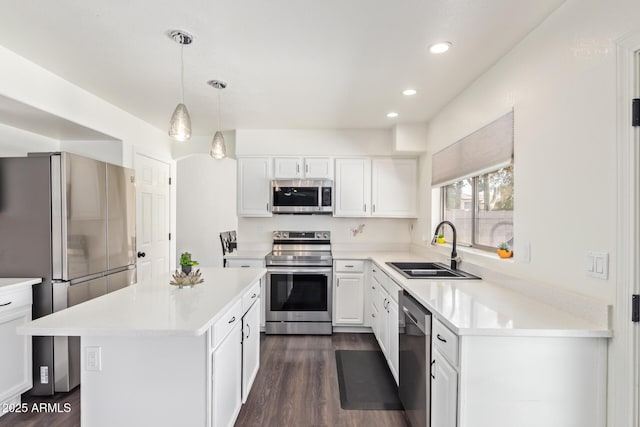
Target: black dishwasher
[[415, 354]]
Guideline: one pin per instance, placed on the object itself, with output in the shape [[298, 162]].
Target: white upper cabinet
[[254, 185], [394, 188], [299, 167], [287, 167], [318, 168], [352, 188], [385, 187]]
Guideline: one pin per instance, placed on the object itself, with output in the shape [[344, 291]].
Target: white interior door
[[153, 216]]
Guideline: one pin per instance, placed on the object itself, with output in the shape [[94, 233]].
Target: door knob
[[141, 254]]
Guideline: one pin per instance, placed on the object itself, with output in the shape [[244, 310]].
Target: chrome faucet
[[454, 254]]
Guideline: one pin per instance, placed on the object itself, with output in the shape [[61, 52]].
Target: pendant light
[[218, 148], [180, 124]]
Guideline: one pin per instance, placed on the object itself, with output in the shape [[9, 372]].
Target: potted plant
[[441, 239], [504, 250], [186, 262]]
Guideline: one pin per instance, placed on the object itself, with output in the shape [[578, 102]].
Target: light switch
[[597, 264]]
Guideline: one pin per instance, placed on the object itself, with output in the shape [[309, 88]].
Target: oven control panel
[[301, 235]]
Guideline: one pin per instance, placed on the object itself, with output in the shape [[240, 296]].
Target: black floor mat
[[365, 381]]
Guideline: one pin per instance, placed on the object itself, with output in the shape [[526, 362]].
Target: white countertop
[[479, 307], [10, 283], [247, 254], [155, 308]]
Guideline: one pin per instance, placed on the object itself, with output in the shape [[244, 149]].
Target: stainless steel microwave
[[302, 196]]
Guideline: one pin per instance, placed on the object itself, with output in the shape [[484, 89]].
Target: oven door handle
[[294, 270]]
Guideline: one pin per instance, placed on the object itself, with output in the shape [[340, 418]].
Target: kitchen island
[[154, 354]]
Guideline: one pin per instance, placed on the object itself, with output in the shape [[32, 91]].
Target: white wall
[[561, 83], [206, 205], [17, 142]]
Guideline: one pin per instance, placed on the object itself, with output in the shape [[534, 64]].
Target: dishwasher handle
[[413, 319]]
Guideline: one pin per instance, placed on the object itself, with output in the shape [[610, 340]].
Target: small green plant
[[441, 235], [186, 261], [504, 246]]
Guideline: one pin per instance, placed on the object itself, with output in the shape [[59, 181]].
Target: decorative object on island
[[180, 124], [504, 250], [182, 279], [218, 147], [186, 262], [441, 239]]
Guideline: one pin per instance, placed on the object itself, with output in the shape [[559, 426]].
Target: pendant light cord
[[219, 111], [182, 70]]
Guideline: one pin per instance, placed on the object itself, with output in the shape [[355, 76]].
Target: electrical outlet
[[44, 375], [93, 360]]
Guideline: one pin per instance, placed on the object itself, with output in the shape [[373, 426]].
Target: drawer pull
[[440, 338], [248, 331], [373, 287], [373, 315], [245, 266], [433, 362], [253, 296], [6, 304], [233, 319], [349, 266]]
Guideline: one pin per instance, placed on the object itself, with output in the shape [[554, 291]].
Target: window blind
[[487, 149]]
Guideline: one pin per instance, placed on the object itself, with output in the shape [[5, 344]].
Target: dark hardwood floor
[[297, 385]]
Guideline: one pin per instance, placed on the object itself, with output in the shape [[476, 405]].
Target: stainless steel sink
[[429, 270]]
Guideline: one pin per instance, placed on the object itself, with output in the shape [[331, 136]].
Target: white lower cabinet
[[227, 378], [386, 324], [235, 358], [444, 392], [250, 348], [348, 292], [15, 350]]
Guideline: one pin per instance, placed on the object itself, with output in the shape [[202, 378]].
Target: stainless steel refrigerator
[[70, 220]]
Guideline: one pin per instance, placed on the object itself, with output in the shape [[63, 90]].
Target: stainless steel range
[[299, 282]]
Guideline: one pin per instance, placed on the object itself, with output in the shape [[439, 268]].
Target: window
[[481, 208]]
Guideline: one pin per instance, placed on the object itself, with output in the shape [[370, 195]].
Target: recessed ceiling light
[[440, 47], [409, 92], [392, 114]]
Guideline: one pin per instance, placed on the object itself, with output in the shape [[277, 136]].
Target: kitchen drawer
[[10, 300], [251, 296], [349, 266], [223, 326], [380, 276], [246, 262], [393, 289], [446, 341]]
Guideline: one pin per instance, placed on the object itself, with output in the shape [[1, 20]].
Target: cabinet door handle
[[306, 168], [440, 338], [245, 266], [253, 296], [248, 331], [373, 315], [6, 304], [267, 205], [349, 266], [373, 287], [365, 207], [433, 362], [233, 319], [298, 168], [373, 208]]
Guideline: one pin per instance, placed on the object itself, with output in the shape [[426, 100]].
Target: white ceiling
[[289, 63]]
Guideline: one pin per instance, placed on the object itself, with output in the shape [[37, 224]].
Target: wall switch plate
[[596, 264], [523, 253], [93, 361]]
